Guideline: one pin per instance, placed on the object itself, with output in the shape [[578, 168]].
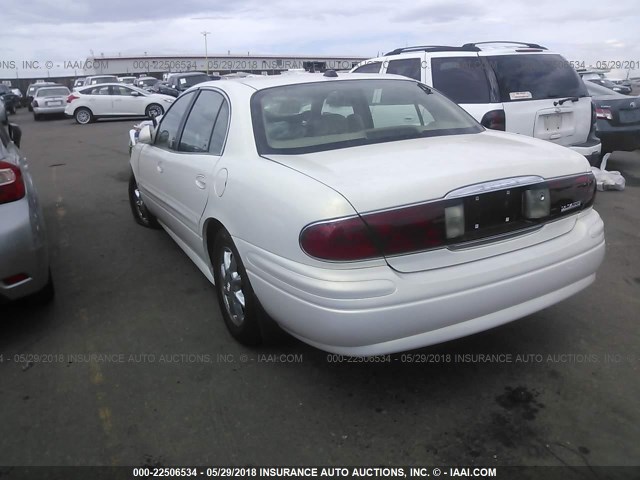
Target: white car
[[114, 100], [364, 214], [511, 86], [49, 101]]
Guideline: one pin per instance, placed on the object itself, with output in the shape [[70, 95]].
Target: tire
[[30, 108], [83, 116], [141, 214], [153, 110], [243, 315]]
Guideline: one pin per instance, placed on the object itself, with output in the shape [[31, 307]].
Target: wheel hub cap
[[232, 287]]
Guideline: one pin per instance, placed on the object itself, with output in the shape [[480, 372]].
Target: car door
[[126, 102], [151, 165], [98, 99], [189, 172]]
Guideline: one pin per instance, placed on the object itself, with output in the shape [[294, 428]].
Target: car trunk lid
[[383, 176]]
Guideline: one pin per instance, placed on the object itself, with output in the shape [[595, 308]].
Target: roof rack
[[529, 45], [434, 48]]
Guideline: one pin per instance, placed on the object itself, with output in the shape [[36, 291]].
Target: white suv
[[512, 86]]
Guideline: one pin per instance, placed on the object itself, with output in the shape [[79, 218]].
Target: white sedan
[[114, 100], [364, 214]]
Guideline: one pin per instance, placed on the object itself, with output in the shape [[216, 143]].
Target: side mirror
[[145, 135], [135, 94], [15, 134]]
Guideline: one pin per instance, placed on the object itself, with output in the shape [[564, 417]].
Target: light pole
[[206, 53]]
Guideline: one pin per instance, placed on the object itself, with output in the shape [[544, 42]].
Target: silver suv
[[512, 86]]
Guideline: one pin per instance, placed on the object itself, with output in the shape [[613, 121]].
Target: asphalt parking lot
[[167, 385]]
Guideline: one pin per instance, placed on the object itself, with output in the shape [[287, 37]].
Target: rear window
[[52, 92], [191, 80], [373, 67], [312, 117], [535, 77], [98, 80], [407, 67], [462, 79]]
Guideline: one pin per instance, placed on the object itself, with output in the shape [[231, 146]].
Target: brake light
[[494, 120], [13, 279], [603, 113], [443, 222], [11, 184], [71, 98], [339, 240]]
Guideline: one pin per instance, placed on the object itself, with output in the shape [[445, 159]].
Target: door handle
[[200, 182], [159, 167]]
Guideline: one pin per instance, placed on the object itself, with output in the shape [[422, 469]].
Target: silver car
[[24, 256], [49, 101]]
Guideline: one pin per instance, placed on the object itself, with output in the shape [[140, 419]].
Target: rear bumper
[[590, 149], [376, 310], [49, 110], [23, 250], [622, 137]]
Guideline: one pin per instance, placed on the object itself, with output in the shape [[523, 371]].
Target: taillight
[[71, 98], [449, 221], [13, 279], [603, 113], [11, 184], [494, 120], [339, 240]]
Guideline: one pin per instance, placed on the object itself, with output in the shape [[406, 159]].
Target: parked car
[[49, 101], [127, 80], [617, 118], [185, 80], [79, 82], [33, 88], [17, 92], [365, 214], [10, 100], [144, 82], [610, 85], [163, 88], [99, 79], [510, 86], [114, 100], [24, 254]]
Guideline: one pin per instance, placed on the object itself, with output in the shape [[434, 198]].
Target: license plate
[[552, 122], [54, 104], [630, 116], [493, 212]]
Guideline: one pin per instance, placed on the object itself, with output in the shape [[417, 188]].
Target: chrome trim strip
[[494, 185]]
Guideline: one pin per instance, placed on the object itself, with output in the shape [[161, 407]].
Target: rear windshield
[[192, 80], [314, 117], [462, 79], [98, 80], [51, 92], [147, 81], [535, 77]]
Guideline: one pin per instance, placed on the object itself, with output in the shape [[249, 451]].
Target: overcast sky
[[63, 30]]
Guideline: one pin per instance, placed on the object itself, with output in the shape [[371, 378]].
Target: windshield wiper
[[560, 102]]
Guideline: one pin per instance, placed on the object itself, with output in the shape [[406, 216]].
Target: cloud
[[70, 29]]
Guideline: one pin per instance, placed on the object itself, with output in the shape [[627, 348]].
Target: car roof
[[53, 86], [186, 74], [261, 82]]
